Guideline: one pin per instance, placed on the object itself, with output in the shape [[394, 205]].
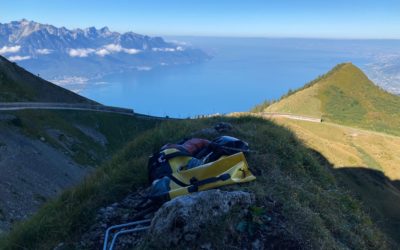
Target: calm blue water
[[242, 73]]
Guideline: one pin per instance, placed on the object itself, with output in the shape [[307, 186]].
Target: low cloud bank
[[103, 51], [18, 58], [44, 51], [11, 49]]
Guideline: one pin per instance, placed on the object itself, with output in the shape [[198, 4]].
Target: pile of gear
[[185, 167], [197, 164]]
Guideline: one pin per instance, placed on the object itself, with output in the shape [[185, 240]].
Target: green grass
[[117, 129], [282, 108], [367, 159], [316, 209], [357, 156], [261, 107], [18, 85], [345, 96], [341, 106], [12, 92]]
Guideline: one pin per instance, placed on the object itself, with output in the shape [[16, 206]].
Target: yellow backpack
[[224, 171]]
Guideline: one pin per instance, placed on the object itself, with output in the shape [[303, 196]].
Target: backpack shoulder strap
[[175, 154]]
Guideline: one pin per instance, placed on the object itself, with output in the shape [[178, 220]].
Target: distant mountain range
[[61, 54]]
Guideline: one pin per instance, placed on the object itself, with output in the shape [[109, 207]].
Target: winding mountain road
[[64, 106], [7, 106], [291, 116], [269, 115]]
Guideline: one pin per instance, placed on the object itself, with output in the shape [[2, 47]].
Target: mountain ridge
[[60, 53], [346, 96], [359, 130], [19, 85]]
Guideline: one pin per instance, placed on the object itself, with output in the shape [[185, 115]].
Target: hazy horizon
[[169, 36], [255, 18]]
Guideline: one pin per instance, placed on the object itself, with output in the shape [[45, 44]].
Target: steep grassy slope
[[350, 149], [44, 152], [345, 96], [88, 137], [315, 210], [18, 85]]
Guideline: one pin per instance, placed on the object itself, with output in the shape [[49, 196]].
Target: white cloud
[[113, 47], [12, 49], [103, 51], [18, 58], [44, 51], [80, 52], [118, 48], [132, 51], [70, 80]]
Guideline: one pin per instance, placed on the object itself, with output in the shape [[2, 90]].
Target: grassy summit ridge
[[360, 130], [346, 96], [316, 210]]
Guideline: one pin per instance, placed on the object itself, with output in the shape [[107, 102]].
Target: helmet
[[231, 145], [226, 145]]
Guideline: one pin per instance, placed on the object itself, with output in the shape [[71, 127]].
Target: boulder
[[184, 218]]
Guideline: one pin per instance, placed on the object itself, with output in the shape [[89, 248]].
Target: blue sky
[[248, 18]]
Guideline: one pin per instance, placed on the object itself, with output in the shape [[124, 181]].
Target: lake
[[243, 72]]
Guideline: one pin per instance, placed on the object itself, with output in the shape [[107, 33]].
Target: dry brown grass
[[350, 147]]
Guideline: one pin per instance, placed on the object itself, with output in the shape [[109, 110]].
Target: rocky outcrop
[[181, 220], [185, 218]]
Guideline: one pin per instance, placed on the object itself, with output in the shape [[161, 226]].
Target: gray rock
[[184, 218], [115, 213], [94, 134], [60, 246]]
